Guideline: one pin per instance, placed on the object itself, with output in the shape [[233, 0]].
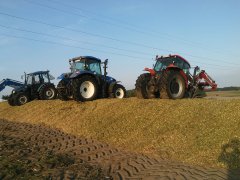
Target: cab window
[[95, 67], [36, 79], [186, 67], [179, 63]]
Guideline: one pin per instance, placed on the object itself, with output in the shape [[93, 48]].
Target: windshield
[[29, 79], [86, 65], [164, 63]]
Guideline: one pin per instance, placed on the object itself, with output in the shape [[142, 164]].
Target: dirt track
[[91, 159]]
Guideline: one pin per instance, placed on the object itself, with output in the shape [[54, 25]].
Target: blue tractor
[[86, 81], [37, 85]]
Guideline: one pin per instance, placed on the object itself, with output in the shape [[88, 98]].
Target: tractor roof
[[173, 56], [38, 72], [86, 57]]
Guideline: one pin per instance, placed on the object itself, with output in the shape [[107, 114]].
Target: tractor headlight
[[13, 92]]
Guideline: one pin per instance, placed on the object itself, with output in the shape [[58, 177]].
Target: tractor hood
[[18, 89], [78, 73], [109, 79]]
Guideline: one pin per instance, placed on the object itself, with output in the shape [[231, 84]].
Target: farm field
[[224, 94], [197, 132]]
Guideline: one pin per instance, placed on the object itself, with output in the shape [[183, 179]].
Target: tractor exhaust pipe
[[105, 78]]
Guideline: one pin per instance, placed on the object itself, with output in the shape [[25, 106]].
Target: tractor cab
[[86, 63], [38, 77], [163, 63]]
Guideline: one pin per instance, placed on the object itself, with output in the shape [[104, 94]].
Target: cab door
[[36, 83]]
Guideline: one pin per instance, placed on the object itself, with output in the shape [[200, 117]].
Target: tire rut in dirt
[[114, 162]]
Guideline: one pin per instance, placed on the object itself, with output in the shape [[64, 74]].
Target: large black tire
[[143, 89], [21, 99], [62, 90], [48, 92], [11, 100], [85, 88], [119, 91], [172, 85]]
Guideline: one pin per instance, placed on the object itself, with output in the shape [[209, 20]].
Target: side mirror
[[197, 69], [106, 61], [51, 77]]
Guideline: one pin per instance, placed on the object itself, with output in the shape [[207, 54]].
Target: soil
[[30, 151]]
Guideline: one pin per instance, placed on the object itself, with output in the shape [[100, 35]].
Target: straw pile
[[189, 130]]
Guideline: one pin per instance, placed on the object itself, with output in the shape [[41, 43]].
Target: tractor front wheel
[[172, 85], [48, 92], [119, 91], [11, 100], [143, 88], [85, 89], [62, 90], [21, 99]]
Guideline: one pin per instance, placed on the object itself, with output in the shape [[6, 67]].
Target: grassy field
[[197, 131], [233, 94]]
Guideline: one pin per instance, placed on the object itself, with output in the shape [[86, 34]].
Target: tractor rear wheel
[[143, 88], [62, 90], [172, 85], [85, 89], [119, 91], [48, 92], [21, 99], [11, 100]]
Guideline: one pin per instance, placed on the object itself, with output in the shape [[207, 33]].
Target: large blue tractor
[[86, 81], [37, 85]]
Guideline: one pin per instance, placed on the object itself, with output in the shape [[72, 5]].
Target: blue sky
[[206, 33]]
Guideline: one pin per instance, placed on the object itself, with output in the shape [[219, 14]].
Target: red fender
[[151, 71]]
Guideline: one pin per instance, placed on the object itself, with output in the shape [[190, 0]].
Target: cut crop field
[[224, 94], [201, 132]]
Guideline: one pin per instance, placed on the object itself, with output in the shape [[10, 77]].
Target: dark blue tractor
[[87, 82], [36, 85]]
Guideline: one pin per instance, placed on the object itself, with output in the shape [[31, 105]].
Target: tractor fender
[[80, 73], [111, 85], [40, 87], [44, 84], [64, 76], [151, 71], [85, 73], [175, 68]]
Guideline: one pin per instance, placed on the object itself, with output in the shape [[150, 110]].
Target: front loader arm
[[10, 83], [204, 80]]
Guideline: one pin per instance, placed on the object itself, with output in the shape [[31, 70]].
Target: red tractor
[[171, 79]]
